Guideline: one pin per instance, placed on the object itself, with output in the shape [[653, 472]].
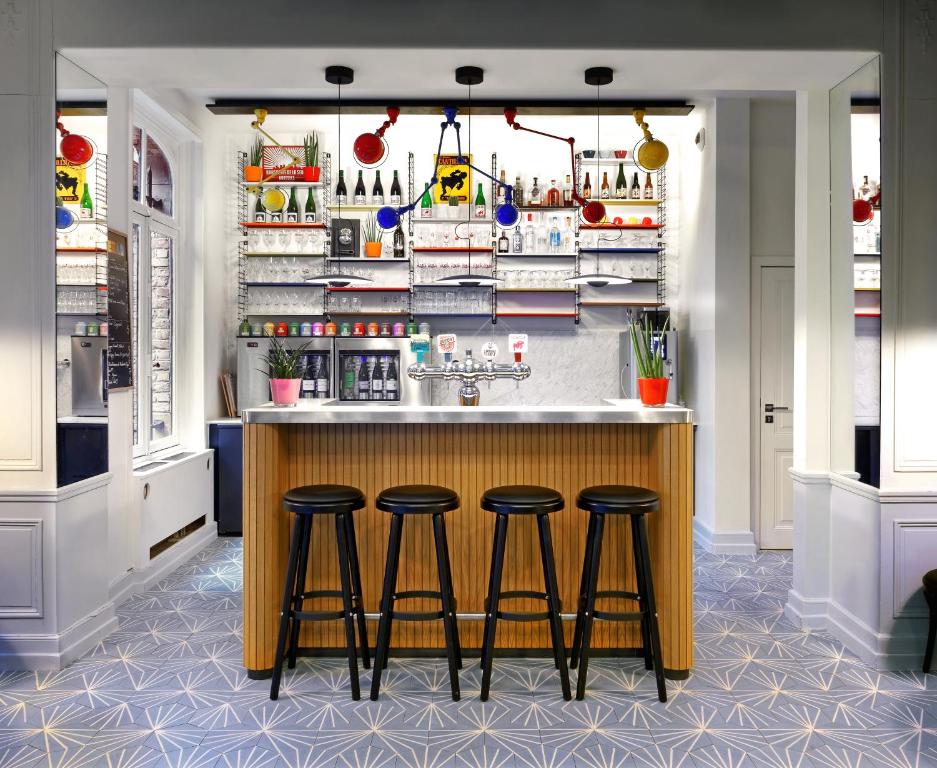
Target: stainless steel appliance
[[253, 385], [89, 375], [371, 370], [628, 368]]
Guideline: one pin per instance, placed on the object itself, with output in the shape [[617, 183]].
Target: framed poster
[[119, 347], [69, 181], [455, 179]]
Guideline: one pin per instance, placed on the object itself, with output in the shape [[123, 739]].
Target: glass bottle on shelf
[[518, 191], [648, 187], [377, 191], [503, 244], [530, 236], [604, 189], [399, 250], [534, 198], [86, 208], [361, 195], [517, 240], [309, 213], [260, 213], [621, 183], [349, 378], [292, 208], [480, 211], [553, 195], [426, 205], [364, 383], [341, 191], [568, 191], [322, 380], [555, 240], [864, 189], [543, 236], [391, 382], [377, 380], [568, 235], [499, 195], [635, 188], [395, 193], [587, 187]]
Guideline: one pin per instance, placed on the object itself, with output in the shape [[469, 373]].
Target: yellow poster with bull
[[69, 182], [455, 179]]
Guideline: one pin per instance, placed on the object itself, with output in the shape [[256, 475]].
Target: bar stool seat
[[402, 501], [305, 502], [636, 502], [506, 501]]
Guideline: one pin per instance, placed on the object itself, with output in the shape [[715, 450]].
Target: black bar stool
[[599, 501], [305, 502], [930, 595], [505, 501], [400, 501]]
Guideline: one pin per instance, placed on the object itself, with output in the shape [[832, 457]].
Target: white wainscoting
[[21, 556]]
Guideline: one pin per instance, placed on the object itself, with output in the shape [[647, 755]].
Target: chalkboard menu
[[119, 363]]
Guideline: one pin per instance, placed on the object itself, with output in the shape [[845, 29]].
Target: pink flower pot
[[284, 391]]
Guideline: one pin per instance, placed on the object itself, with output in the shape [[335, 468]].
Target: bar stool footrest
[[419, 615], [317, 615], [618, 615], [517, 594]]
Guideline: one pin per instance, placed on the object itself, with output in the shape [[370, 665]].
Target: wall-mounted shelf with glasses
[[281, 225]]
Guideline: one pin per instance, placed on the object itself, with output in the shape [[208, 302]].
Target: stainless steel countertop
[[328, 412]]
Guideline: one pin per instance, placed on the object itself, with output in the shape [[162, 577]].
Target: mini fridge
[[89, 375], [316, 369], [374, 370]]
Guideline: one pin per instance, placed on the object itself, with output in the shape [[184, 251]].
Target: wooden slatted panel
[[469, 458]]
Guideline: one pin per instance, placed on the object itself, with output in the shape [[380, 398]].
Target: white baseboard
[[723, 542], [806, 612]]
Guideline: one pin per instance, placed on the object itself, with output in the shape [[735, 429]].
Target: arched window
[[152, 173]]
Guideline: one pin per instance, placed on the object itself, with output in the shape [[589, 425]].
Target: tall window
[[154, 238]]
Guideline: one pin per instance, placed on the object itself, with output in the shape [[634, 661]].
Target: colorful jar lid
[[318, 329], [305, 329], [357, 329], [399, 329], [281, 329], [344, 329], [331, 329], [293, 328], [269, 329], [374, 329]]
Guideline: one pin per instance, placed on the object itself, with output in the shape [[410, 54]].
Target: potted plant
[[253, 171], [311, 169], [652, 383], [372, 238], [284, 370]]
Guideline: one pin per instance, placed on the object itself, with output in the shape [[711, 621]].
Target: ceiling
[[206, 74]]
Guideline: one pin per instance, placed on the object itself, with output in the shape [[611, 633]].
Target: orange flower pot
[[253, 173], [373, 250], [653, 392], [311, 173]]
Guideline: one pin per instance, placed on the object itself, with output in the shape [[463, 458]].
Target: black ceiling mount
[[338, 75], [469, 75], [598, 76]]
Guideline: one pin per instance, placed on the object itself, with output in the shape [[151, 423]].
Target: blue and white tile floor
[[167, 689]]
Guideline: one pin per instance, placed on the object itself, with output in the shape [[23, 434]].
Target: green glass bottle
[[292, 208], [86, 208], [480, 202], [621, 183], [426, 205], [309, 213], [260, 213]]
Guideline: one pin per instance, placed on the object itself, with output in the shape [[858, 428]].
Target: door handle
[[771, 408]]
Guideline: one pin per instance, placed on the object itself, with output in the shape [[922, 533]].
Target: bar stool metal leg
[[595, 555], [348, 608], [931, 633], [645, 566], [553, 601], [300, 587], [445, 590], [642, 592], [580, 603], [494, 592], [356, 588], [285, 608], [381, 652], [445, 546]]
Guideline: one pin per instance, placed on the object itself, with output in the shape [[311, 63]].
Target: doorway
[[773, 397]]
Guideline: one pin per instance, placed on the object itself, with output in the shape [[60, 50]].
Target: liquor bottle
[[621, 183], [480, 211], [499, 195], [648, 187], [349, 378], [568, 236], [604, 190], [322, 380], [377, 381], [364, 384], [399, 249], [543, 237], [307, 387], [361, 195], [534, 198], [587, 187], [568, 191], [341, 192], [635, 188], [503, 243], [86, 209], [517, 240], [518, 191], [426, 205], [292, 208], [277, 216], [377, 191], [864, 190], [309, 213], [555, 241], [260, 213], [530, 237], [391, 382], [395, 193], [553, 195]]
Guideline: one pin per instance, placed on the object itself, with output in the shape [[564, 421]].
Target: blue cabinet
[[81, 451], [225, 438]]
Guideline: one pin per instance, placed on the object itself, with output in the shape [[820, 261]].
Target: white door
[[776, 435]]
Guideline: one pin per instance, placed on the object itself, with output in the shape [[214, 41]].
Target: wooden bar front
[[469, 458]]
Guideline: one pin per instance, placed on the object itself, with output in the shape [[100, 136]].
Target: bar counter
[[469, 449]]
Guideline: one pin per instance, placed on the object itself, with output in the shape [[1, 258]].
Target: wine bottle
[[377, 191], [361, 195], [426, 205], [648, 188], [292, 208], [341, 191], [399, 249], [309, 213], [395, 193], [364, 383], [322, 381], [390, 383], [587, 187], [621, 183], [480, 200], [260, 213], [86, 208], [604, 190], [635, 188], [377, 381]]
